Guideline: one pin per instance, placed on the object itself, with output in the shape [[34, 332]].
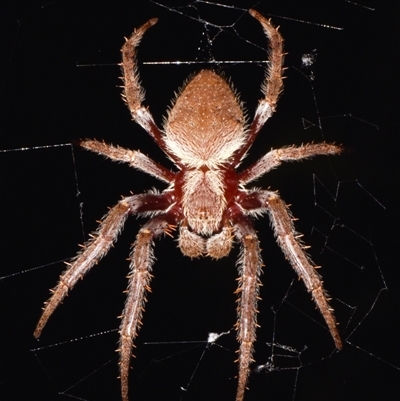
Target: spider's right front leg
[[98, 246], [142, 260]]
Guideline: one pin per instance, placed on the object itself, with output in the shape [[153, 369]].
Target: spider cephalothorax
[[206, 136]]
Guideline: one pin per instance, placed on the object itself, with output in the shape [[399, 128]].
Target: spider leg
[[141, 263], [272, 85], [134, 158], [133, 91], [92, 252], [276, 157], [250, 265], [287, 238], [98, 246]]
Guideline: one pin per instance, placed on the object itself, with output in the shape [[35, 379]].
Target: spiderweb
[[58, 82]]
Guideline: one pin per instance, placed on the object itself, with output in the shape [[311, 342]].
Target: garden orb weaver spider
[[206, 135]]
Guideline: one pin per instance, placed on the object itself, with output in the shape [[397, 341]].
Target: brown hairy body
[[206, 135]]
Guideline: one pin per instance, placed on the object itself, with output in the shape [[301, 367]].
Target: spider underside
[[206, 135]]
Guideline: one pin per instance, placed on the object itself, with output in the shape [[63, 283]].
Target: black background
[[59, 82]]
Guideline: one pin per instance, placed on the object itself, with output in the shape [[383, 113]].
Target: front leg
[[257, 202], [99, 245], [141, 261], [250, 265]]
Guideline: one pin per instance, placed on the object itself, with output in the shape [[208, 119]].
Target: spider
[[206, 135]]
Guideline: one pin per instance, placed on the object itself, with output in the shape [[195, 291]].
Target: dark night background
[[59, 82]]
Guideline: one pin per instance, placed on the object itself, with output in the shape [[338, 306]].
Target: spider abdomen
[[205, 125]]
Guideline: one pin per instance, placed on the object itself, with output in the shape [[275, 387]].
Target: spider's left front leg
[[294, 251], [141, 261], [250, 265]]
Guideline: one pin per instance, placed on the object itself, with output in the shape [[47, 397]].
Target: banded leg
[[133, 157], [99, 245], [272, 85], [250, 265], [133, 92], [286, 236], [142, 260], [91, 253]]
